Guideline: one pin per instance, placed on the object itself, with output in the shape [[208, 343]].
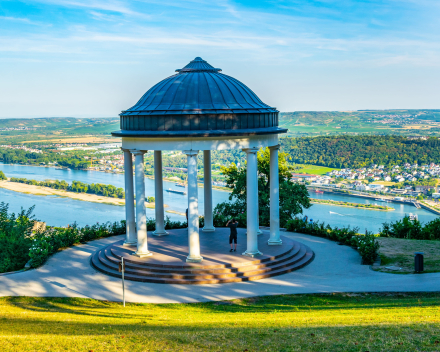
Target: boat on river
[[413, 216], [175, 191], [180, 184]]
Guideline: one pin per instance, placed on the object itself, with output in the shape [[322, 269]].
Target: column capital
[[137, 152], [275, 147], [251, 150], [190, 152]]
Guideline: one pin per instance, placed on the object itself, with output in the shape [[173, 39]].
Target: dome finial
[[198, 65]]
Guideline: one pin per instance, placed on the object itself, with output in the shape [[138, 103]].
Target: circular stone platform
[[168, 263]]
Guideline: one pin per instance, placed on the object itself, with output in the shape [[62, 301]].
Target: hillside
[[360, 151], [378, 122]]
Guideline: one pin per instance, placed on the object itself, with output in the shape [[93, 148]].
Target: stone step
[[130, 259], [182, 274], [109, 254], [277, 267]]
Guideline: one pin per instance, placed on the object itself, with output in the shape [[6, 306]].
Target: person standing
[[232, 224]]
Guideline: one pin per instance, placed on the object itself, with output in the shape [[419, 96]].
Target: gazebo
[[198, 109]]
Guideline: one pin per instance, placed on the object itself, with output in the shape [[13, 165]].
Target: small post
[[122, 269], [418, 262]]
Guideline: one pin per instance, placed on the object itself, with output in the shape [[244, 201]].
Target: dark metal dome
[[198, 98]]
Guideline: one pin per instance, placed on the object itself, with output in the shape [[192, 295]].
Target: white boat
[[413, 217]]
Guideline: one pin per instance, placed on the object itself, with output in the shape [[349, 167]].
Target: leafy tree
[[293, 197], [2, 176]]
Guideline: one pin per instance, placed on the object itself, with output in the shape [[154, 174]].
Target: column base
[[208, 229], [194, 259], [252, 254], [143, 254], [274, 242], [160, 233], [130, 243]]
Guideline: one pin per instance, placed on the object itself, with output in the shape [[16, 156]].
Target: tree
[[2, 176], [293, 196]]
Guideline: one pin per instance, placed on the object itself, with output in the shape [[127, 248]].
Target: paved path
[[335, 269]]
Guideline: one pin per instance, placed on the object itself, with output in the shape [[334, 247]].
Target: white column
[[252, 202], [274, 198], [130, 239], [207, 189], [193, 211], [141, 216], [158, 195]]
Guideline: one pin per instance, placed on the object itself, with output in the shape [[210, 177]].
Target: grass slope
[[326, 322], [399, 252], [313, 169]]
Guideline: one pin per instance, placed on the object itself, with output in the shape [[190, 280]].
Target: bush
[[367, 245], [15, 231], [412, 229], [2, 176], [50, 241], [431, 231]]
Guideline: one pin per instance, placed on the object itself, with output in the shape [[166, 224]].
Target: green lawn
[[313, 169], [399, 253], [339, 322]]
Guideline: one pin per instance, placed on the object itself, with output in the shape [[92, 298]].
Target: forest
[[19, 156], [361, 151]]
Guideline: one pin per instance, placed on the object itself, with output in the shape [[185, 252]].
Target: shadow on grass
[[262, 304]]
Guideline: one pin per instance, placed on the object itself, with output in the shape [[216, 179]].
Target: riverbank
[[46, 191], [388, 199], [351, 205]]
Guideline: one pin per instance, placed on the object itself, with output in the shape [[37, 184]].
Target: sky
[[94, 58]]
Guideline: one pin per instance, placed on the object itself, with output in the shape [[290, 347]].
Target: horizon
[[281, 112]]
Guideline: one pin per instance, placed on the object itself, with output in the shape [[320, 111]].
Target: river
[[58, 211]]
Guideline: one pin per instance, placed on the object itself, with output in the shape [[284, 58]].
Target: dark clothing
[[233, 228], [233, 235]]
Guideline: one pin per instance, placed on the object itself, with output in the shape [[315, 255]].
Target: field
[[324, 322], [399, 253], [44, 129], [84, 140], [397, 122], [313, 169]]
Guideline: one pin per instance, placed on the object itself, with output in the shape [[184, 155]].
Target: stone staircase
[[294, 257]]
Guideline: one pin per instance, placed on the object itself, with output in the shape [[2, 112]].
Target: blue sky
[[97, 57]]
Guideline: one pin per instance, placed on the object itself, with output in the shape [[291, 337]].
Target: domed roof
[[199, 88]]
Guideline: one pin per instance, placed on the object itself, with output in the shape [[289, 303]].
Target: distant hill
[[20, 130], [382, 122]]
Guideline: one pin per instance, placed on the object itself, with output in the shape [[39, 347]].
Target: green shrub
[[367, 245], [431, 231], [2, 176], [412, 229], [15, 231], [51, 240]]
